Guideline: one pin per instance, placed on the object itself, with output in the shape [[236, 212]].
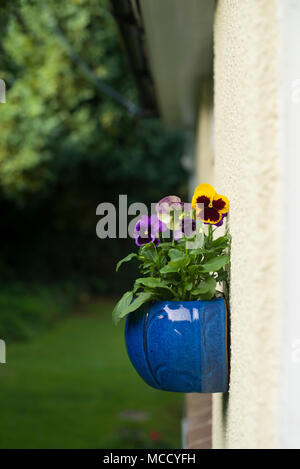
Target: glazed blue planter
[[180, 346]]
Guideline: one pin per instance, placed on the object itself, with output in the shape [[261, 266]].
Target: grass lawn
[[74, 387]]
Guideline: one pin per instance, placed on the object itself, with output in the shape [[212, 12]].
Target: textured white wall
[[204, 136], [247, 171]]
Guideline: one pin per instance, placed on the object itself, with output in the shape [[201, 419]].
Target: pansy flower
[[168, 209], [187, 228], [172, 211], [210, 206], [147, 230]]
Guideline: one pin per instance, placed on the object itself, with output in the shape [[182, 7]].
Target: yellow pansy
[[210, 206]]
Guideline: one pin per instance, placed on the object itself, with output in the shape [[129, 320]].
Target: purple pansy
[[147, 230], [187, 228]]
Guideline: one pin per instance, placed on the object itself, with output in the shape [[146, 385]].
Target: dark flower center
[[203, 200], [218, 204], [210, 213], [144, 239]]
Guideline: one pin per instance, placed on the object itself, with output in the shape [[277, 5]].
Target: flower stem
[[210, 233], [173, 241]]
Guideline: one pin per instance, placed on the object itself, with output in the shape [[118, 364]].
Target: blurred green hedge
[[27, 311]]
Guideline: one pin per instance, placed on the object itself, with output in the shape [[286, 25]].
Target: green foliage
[[55, 117], [173, 272], [65, 147], [27, 311], [126, 259]]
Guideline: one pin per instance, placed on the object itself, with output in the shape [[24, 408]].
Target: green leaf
[[141, 298], [126, 259], [126, 305], [179, 259], [177, 263], [215, 264], [195, 268], [176, 254], [152, 282], [206, 289], [206, 296], [181, 263], [196, 252], [165, 245], [170, 269], [149, 253], [181, 241], [222, 240], [197, 243], [122, 306]]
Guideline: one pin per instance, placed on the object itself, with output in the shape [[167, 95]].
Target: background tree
[[66, 146]]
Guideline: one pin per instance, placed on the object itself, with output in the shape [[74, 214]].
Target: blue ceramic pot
[[180, 346]]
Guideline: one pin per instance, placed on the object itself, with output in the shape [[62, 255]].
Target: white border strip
[[289, 107]]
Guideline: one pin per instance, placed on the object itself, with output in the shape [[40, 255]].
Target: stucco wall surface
[[246, 170], [204, 136]]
